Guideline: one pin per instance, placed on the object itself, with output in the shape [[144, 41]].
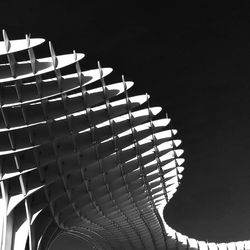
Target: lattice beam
[[79, 159]]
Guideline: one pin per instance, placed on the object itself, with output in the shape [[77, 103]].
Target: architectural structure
[[81, 157]]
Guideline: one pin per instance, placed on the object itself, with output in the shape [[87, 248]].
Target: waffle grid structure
[[81, 160]]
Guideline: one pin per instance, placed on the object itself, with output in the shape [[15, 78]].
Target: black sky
[[193, 59]]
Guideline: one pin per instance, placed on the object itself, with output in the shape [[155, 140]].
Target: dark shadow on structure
[[66, 241]]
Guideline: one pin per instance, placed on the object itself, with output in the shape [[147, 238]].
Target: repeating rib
[[92, 162]]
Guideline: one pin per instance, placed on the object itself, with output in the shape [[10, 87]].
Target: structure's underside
[[81, 160]]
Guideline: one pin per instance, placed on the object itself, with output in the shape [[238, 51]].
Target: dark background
[[193, 59]]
